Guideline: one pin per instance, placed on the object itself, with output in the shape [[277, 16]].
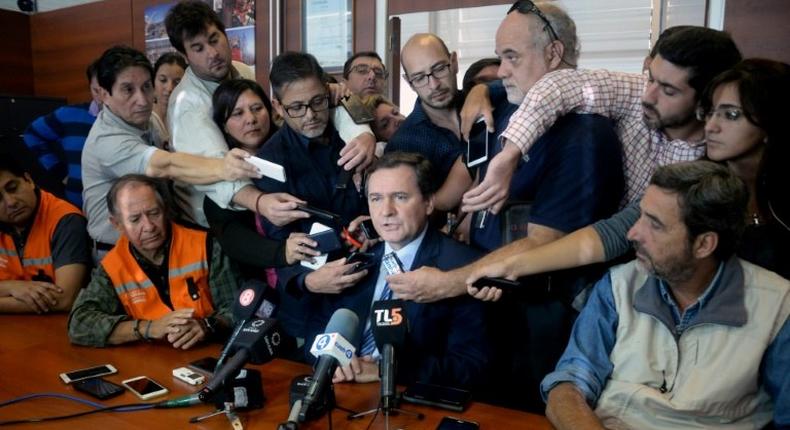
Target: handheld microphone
[[258, 341], [333, 348], [389, 327]]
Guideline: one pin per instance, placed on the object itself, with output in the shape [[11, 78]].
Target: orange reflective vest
[[187, 277], [37, 258]]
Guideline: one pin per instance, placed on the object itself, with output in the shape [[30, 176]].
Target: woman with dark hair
[[168, 71], [745, 109], [242, 110]]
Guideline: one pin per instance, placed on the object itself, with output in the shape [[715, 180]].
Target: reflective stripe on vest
[[37, 253], [188, 276]]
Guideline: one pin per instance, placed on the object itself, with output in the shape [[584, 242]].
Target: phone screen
[[438, 393], [451, 423], [477, 146], [144, 386], [90, 372], [205, 364], [99, 388]]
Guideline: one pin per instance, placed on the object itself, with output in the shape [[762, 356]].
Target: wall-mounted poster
[[237, 15], [327, 31]]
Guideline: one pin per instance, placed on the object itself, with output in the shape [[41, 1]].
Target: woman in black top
[[745, 109]]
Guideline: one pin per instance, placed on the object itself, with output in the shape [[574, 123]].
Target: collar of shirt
[[419, 112], [208, 86], [682, 320], [407, 253]]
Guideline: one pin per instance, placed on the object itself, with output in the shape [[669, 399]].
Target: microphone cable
[[98, 407]]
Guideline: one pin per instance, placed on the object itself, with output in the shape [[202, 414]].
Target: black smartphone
[[477, 146], [99, 387], [506, 285], [363, 260], [454, 399], [327, 241], [205, 365], [368, 230], [319, 213], [453, 423]]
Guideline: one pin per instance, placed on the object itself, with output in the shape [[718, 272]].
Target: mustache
[[649, 107]]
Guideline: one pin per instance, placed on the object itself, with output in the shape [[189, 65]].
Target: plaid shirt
[[615, 95], [98, 310]]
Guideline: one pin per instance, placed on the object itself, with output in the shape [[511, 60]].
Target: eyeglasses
[[527, 7], [364, 69], [729, 113], [317, 104], [421, 79]]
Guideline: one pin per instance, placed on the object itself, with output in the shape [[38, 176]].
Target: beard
[[660, 122], [673, 269]]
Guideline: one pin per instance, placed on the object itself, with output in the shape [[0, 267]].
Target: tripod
[[387, 405]]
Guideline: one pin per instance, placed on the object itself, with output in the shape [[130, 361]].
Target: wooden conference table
[[35, 349]]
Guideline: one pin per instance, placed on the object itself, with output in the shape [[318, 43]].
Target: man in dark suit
[[446, 343]]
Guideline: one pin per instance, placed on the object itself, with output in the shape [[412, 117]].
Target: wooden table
[[35, 349]]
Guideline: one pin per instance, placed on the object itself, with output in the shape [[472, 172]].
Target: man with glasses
[[365, 74], [433, 128], [308, 147]]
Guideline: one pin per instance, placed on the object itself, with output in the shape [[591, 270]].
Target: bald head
[[431, 70]]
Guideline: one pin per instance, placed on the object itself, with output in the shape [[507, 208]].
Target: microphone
[[258, 341], [251, 301], [389, 327], [333, 348], [180, 402], [255, 299], [244, 391]]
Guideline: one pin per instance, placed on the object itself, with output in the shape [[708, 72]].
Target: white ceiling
[[45, 5]]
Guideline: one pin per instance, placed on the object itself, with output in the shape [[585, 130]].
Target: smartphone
[[453, 423], [357, 110], [319, 213], [90, 372], [392, 264], [454, 399], [363, 260], [368, 230], [327, 241], [506, 285], [267, 168], [477, 145], [205, 365], [144, 387], [99, 387]]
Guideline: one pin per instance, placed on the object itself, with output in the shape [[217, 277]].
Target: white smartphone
[[477, 146], [267, 168], [89, 372], [188, 376], [144, 387]]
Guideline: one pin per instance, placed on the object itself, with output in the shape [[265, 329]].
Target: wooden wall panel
[[364, 25], [65, 41], [760, 27], [16, 63]]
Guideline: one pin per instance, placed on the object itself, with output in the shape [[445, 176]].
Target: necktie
[[368, 342]]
